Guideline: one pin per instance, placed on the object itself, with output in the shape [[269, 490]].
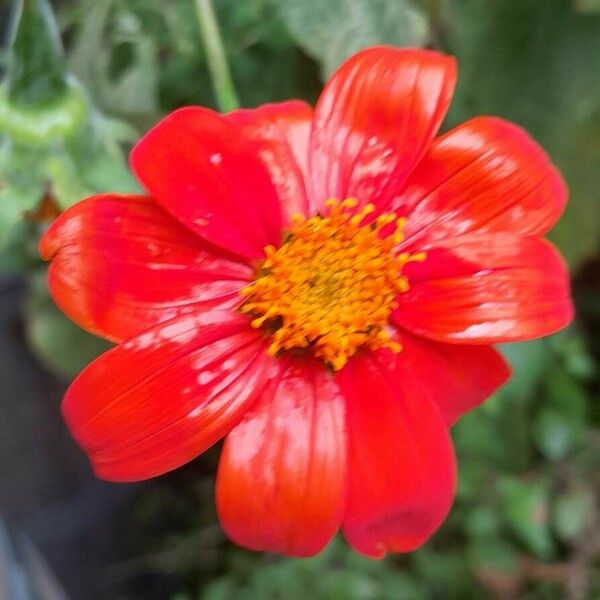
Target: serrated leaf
[[36, 70], [121, 70], [332, 31]]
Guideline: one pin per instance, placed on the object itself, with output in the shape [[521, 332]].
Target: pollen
[[332, 284]]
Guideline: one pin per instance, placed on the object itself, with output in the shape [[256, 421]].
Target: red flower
[[334, 348]]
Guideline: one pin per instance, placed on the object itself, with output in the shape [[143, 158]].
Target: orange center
[[332, 284]]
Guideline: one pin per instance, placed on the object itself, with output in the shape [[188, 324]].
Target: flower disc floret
[[332, 284]]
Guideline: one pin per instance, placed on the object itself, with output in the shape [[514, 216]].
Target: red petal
[[280, 133], [457, 377], [375, 120], [200, 168], [487, 288], [401, 467], [158, 400], [282, 474], [120, 265], [485, 175]]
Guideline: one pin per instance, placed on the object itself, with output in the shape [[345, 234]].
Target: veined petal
[[161, 398], [280, 134], [281, 480], [201, 169], [487, 175], [486, 289], [401, 466], [375, 120], [457, 377], [120, 265]]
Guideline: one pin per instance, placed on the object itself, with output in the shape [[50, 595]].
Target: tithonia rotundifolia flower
[[320, 287]]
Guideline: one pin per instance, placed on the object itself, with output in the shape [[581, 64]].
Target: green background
[[83, 80]]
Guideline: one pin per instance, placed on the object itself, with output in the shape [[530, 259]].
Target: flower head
[[332, 285], [321, 287]]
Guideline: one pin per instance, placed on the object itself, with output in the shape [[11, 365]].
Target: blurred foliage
[[332, 31], [536, 63], [526, 522]]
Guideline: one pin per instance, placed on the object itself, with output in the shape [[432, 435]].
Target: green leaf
[[564, 393], [553, 434], [493, 553], [38, 103], [526, 508], [587, 6], [482, 522], [332, 31], [21, 185], [445, 574], [540, 69], [334, 574], [120, 69], [19, 252], [58, 342], [560, 425], [36, 68], [571, 513], [266, 63], [528, 361], [43, 124], [571, 345]]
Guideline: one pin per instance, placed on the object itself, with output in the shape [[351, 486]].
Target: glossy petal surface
[[458, 377], [485, 175], [201, 169], [280, 133], [375, 120], [281, 480], [120, 265], [401, 467], [487, 288], [158, 400]]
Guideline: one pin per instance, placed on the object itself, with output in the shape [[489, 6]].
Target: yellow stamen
[[332, 285]]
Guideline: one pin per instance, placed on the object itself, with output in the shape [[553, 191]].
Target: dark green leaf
[[332, 31], [19, 252], [493, 553], [120, 69], [36, 68], [526, 506], [528, 361], [482, 522], [540, 69]]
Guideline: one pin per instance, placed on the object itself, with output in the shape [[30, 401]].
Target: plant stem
[[215, 53]]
